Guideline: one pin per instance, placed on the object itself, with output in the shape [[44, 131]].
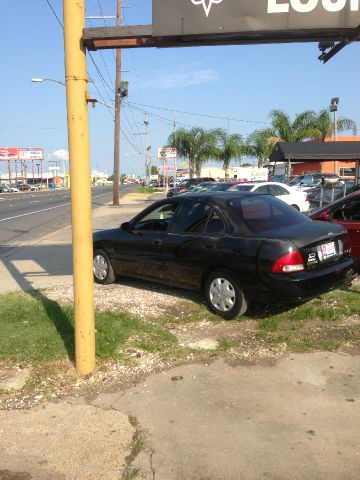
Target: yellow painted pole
[[79, 152]]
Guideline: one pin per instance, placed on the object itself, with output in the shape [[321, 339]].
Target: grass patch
[[34, 329], [146, 190]]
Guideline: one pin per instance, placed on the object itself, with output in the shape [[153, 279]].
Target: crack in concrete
[[152, 451]]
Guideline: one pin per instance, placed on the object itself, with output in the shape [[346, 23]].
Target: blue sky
[[241, 82]]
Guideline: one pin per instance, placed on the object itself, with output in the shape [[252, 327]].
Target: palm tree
[[301, 128], [324, 127], [229, 147], [196, 145], [260, 144]]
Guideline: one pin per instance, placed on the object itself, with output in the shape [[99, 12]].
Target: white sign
[[54, 168], [167, 152], [31, 154]]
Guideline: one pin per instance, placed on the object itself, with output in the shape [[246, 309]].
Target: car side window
[[277, 190], [158, 219], [193, 217], [263, 189], [215, 224], [348, 211]]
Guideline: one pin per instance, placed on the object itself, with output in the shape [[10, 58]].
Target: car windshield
[[262, 213], [310, 180], [295, 180], [184, 183], [220, 187], [200, 187], [241, 188]]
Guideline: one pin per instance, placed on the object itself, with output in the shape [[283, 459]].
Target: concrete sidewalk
[[295, 420], [47, 261]]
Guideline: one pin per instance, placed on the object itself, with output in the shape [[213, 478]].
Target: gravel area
[[152, 300]]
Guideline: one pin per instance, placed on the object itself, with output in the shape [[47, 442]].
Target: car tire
[[104, 273], [296, 207], [224, 295]]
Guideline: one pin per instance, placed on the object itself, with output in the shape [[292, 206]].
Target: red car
[[345, 211]]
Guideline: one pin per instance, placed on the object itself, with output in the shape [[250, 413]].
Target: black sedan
[[235, 247]]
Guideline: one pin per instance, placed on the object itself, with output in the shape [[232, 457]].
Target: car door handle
[[157, 243]]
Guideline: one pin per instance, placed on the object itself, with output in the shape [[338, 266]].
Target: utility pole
[[116, 185], [175, 160], [79, 155], [148, 148]]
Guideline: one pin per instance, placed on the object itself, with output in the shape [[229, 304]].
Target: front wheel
[[224, 296], [103, 270]]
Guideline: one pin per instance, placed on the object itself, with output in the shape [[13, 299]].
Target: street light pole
[[116, 185], [333, 108], [79, 155]]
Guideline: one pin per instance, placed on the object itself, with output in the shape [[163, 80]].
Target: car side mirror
[[126, 227]]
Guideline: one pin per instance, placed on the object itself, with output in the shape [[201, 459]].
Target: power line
[[101, 52], [101, 76], [57, 18], [206, 115]]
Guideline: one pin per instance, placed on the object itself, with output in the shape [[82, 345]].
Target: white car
[[282, 191], [13, 188]]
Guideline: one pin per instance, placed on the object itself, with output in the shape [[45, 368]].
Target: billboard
[[31, 153], [21, 153], [197, 17], [9, 153], [167, 153]]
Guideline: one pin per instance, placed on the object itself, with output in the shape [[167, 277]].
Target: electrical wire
[[205, 115], [112, 81], [57, 18]]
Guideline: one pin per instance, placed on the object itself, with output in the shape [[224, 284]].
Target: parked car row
[[282, 191], [6, 188], [235, 246]]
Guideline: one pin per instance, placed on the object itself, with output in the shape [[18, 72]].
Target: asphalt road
[[25, 216]]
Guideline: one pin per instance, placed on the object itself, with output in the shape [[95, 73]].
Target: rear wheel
[[296, 207], [103, 270], [224, 295]]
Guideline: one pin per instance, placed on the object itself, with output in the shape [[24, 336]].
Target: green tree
[[324, 126], [154, 170], [228, 147], [260, 145], [195, 145], [301, 128]]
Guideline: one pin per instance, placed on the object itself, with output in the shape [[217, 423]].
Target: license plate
[[328, 250]]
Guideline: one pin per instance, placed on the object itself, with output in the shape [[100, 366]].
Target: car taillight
[[289, 263]]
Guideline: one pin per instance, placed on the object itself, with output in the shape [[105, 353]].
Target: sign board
[[31, 153], [22, 153], [264, 17], [167, 153], [166, 169], [9, 153]]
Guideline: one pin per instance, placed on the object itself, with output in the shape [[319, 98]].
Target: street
[[27, 216]]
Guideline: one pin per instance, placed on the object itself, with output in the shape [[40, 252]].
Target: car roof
[[259, 184], [214, 196]]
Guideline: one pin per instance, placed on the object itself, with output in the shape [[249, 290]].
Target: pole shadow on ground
[[49, 261]]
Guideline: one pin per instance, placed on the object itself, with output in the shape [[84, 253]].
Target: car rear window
[[242, 188], [264, 213]]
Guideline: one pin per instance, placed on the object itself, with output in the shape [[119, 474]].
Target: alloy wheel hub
[[100, 267], [222, 294]]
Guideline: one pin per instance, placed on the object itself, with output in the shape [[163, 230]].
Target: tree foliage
[[228, 147], [195, 145]]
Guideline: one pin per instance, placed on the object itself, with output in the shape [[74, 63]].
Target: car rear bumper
[[303, 285]]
